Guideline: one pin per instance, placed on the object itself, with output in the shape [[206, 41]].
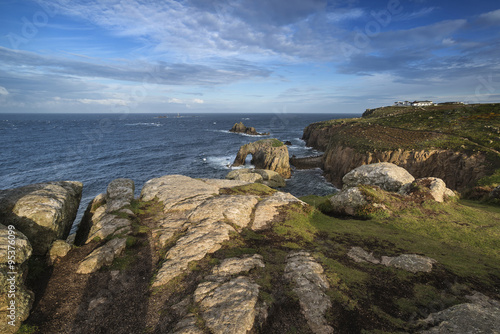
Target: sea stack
[[241, 128]]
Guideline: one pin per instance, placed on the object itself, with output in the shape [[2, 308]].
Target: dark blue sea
[[97, 148]]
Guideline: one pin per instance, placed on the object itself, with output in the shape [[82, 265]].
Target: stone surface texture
[[310, 284], [480, 316], [43, 212], [102, 256], [266, 155], [387, 176]]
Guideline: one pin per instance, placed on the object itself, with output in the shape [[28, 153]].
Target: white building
[[402, 104], [422, 103]]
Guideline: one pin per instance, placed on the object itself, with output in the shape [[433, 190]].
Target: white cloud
[[3, 91], [491, 18], [198, 101], [174, 100], [105, 102]]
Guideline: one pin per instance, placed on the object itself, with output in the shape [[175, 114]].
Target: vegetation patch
[[257, 189]]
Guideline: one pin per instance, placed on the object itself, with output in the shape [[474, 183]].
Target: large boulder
[[348, 201], [43, 212], [269, 154], [428, 188], [387, 176], [241, 128]]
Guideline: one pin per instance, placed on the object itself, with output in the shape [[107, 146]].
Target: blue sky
[[245, 55]]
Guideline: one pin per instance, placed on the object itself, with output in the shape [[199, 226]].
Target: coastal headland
[[396, 250]]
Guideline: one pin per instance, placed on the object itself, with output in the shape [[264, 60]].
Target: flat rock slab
[[410, 262], [228, 308], [102, 256], [172, 189], [481, 315], [358, 254], [310, 284], [200, 239], [236, 265], [236, 209], [119, 194], [22, 245]]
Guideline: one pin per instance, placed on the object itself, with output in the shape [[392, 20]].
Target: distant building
[[452, 103], [413, 104]]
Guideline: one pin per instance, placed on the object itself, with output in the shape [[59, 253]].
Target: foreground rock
[[102, 256], [241, 128], [268, 177], [108, 214], [12, 288], [268, 208], [410, 262], [227, 306], [387, 176], [43, 212], [310, 285], [480, 315], [269, 154], [428, 188]]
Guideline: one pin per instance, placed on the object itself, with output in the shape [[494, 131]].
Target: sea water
[[97, 148]]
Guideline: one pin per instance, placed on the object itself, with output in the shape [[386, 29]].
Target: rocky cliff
[[250, 130], [269, 154], [461, 153], [235, 257]]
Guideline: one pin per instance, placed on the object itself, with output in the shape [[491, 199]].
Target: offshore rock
[[269, 154], [387, 176], [102, 256], [43, 212], [310, 284], [241, 128]]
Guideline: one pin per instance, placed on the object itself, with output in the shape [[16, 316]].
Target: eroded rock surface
[[267, 209], [250, 130], [410, 262], [480, 315], [266, 154], [268, 177], [43, 212], [310, 284], [432, 187], [102, 256], [108, 214]]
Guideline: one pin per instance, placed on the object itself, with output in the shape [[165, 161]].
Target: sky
[[271, 56]]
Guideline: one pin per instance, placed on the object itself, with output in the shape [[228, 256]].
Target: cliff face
[[458, 169]]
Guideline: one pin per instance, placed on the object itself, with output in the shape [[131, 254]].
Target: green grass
[[27, 329]]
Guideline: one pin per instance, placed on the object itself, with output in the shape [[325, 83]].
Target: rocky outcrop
[[428, 187], [268, 177], [102, 256], [267, 209], [410, 262], [108, 214], [241, 128], [269, 154], [43, 212], [310, 285], [372, 188], [385, 175], [58, 249], [15, 299], [227, 306], [480, 315]]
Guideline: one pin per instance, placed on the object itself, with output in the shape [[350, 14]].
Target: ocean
[[97, 148]]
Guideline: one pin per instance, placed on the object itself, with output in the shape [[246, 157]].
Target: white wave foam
[[144, 124]]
